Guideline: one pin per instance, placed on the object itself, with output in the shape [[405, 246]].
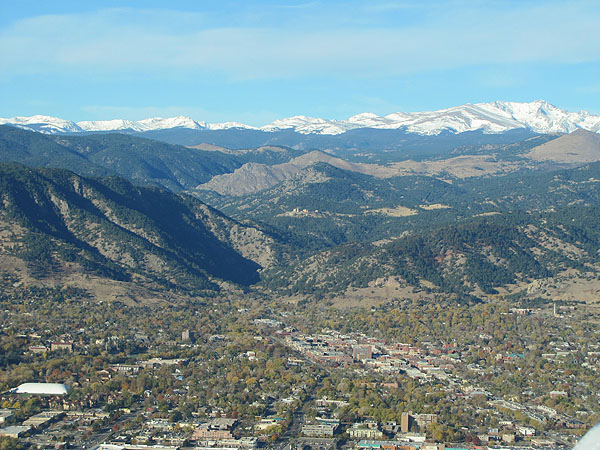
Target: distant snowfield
[[496, 117]]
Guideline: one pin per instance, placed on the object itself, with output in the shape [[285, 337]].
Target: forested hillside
[[56, 221], [464, 259], [320, 229], [142, 161]]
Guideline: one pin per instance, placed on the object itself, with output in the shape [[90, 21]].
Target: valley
[[336, 287]]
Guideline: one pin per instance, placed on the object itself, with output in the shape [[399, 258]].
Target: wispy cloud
[[168, 42]]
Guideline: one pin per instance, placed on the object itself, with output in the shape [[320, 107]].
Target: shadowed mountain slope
[[54, 221]]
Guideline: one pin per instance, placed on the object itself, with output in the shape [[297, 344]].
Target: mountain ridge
[[143, 161], [58, 223], [580, 146], [493, 117], [253, 177]]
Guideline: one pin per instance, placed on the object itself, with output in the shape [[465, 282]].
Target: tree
[[8, 443]]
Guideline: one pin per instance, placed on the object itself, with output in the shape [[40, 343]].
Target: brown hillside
[[580, 146], [253, 177]]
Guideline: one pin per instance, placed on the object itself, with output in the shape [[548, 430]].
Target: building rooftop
[[14, 431], [6, 413]]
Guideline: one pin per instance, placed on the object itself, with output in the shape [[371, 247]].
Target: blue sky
[[256, 61]]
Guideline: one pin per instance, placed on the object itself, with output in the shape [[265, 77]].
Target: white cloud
[[453, 35]]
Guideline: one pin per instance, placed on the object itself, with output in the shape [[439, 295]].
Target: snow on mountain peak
[[494, 117], [158, 123], [107, 125], [543, 117], [44, 124], [363, 116], [307, 125], [229, 125]]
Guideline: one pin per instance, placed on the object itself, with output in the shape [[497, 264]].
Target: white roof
[[41, 388], [14, 430]]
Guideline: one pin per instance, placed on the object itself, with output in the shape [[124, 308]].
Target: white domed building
[[41, 389]]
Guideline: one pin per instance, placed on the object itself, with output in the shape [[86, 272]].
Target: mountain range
[[372, 212], [495, 117]]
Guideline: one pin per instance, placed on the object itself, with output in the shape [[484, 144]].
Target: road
[[103, 436]]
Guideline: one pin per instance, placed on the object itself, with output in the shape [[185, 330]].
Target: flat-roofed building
[[57, 346], [38, 349], [360, 431], [387, 445], [362, 352], [319, 430], [5, 415], [44, 418], [15, 431]]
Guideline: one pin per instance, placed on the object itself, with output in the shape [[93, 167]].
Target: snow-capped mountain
[[543, 117], [109, 125], [55, 125], [154, 123], [496, 117], [229, 125], [44, 124], [310, 125]]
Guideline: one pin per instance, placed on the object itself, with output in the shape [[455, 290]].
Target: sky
[[257, 61]]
